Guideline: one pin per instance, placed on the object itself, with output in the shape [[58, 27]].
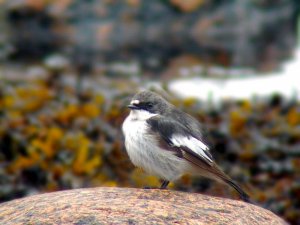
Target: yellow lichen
[[141, 179], [237, 123], [188, 102], [90, 110], [293, 116]]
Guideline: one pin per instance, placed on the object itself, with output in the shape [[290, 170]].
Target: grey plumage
[[167, 142]]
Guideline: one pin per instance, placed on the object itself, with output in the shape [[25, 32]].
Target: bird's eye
[[149, 105]]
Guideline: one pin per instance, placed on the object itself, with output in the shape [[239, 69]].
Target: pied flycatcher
[[168, 143]]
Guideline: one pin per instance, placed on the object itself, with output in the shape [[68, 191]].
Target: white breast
[[144, 150]]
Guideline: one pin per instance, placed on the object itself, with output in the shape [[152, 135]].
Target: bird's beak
[[132, 106]]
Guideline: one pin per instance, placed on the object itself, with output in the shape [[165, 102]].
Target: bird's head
[[150, 102]]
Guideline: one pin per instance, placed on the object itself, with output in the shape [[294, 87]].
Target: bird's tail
[[244, 196], [214, 172], [227, 180]]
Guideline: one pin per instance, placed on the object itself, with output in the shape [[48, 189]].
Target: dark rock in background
[[257, 34], [32, 33]]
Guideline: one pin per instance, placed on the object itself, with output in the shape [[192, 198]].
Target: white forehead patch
[[135, 102]]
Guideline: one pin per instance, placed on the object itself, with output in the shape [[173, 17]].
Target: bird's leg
[[164, 184]]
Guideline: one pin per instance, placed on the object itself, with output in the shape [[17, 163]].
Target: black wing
[[176, 137], [189, 122]]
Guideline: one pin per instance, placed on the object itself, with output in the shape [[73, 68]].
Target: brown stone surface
[[131, 206]]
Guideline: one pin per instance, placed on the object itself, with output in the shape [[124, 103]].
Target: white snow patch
[[285, 82]]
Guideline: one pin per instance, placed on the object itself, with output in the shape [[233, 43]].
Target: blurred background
[[68, 69]]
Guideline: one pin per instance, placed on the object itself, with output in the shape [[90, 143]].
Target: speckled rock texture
[[131, 206]]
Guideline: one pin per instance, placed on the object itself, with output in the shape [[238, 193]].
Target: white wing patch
[[193, 144]]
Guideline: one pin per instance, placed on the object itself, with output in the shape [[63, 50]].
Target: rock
[[256, 34], [187, 6], [131, 206]]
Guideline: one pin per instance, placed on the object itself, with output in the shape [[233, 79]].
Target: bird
[[168, 143]]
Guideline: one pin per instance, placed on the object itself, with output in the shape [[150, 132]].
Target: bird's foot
[[164, 184], [147, 187]]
